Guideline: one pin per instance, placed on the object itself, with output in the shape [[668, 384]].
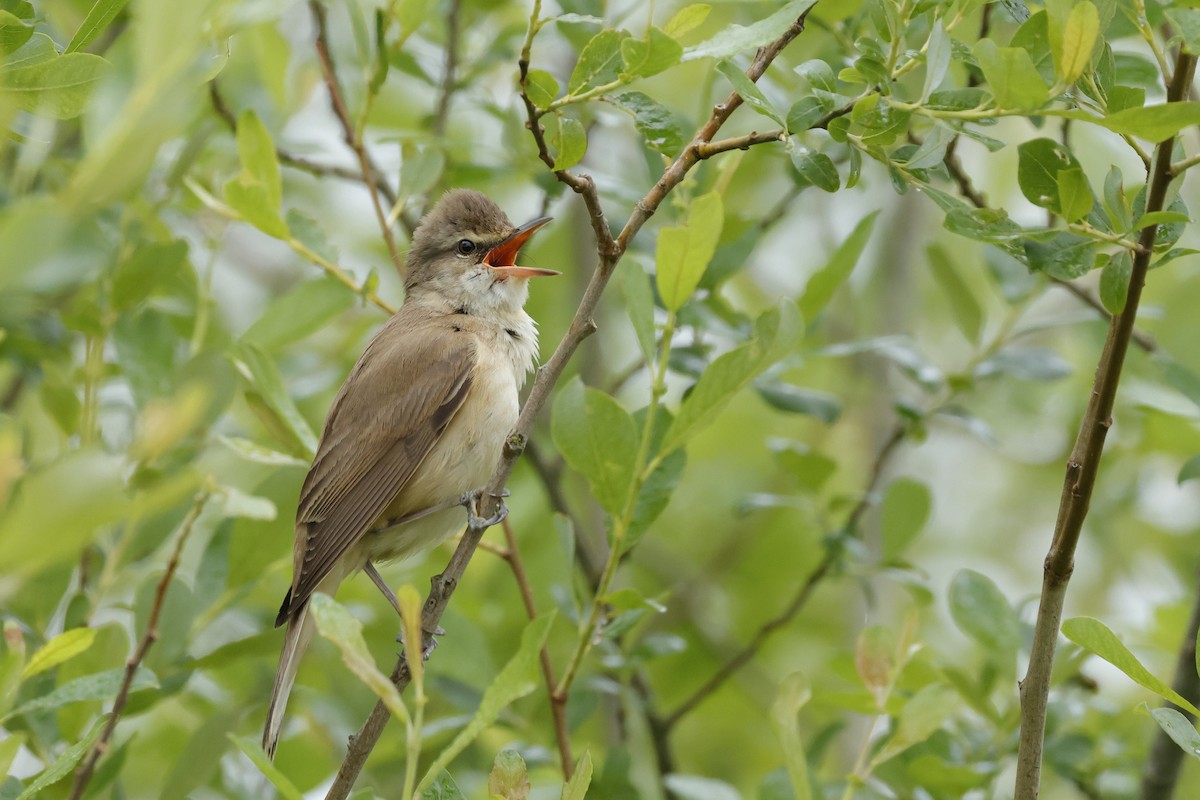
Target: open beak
[[503, 257]]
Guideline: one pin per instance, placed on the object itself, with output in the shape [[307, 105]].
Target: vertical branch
[[562, 733], [352, 137], [1082, 468], [449, 69], [84, 774], [1166, 758]]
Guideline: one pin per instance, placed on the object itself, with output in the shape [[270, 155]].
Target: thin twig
[[83, 775], [289, 159], [609, 252], [744, 142], [562, 733], [1082, 469], [352, 137], [798, 601], [1161, 771], [448, 70]]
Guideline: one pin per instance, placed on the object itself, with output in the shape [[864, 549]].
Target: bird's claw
[[433, 643], [470, 501]]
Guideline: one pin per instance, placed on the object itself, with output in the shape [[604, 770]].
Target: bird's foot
[[433, 643], [470, 501]]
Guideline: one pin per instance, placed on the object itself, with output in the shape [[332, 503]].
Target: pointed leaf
[[598, 438], [824, 282], [63, 647], [682, 254], [735, 39], [1095, 637]]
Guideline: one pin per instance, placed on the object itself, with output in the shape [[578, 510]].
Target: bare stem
[[83, 775], [562, 733], [352, 137], [1082, 469]]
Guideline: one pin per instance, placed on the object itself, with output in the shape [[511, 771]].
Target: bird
[[421, 420]]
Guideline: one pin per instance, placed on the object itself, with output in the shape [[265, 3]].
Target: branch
[[353, 139], [609, 252], [287, 158], [780, 620], [451, 65], [710, 149], [562, 733], [1082, 468], [1161, 771], [83, 775]]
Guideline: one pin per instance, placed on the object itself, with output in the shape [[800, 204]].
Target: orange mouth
[[503, 257]]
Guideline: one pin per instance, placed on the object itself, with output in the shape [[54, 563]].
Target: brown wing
[[400, 396]]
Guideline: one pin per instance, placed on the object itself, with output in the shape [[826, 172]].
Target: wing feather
[[397, 401]]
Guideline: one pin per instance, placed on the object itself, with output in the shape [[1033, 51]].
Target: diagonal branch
[[352, 137], [608, 252], [83, 775], [1082, 469]]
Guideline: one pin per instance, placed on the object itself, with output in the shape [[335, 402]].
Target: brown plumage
[[422, 417]]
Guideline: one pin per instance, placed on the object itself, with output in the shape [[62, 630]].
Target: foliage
[[786, 514]]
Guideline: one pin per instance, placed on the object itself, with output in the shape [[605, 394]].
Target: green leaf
[[9, 747], [1190, 470], [825, 281], [968, 314], [97, 19], [569, 141], [442, 788], [57, 87], [1152, 123], [775, 333], [336, 624], [797, 400], [683, 253], [937, 59], [902, 514], [660, 128], [919, 719], [643, 58], [735, 39], [816, 168], [639, 305], [1115, 202], [253, 750], [421, 168], [599, 61], [520, 676], [257, 192], [294, 315], [1114, 281], [63, 647], [236, 503], [541, 87], [509, 778], [982, 611], [1011, 75], [1161, 218], [13, 32], [98, 686], [66, 761], [1073, 52], [1039, 162], [1074, 194], [806, 112], [687, 19], [270, 399], [1187, 23], [1095, 637], [1179, 728], [97, 497], [794, 693], [1066, 255], [1026, 364], [260, 454], [598, 439], [581, 778], [750, 92]]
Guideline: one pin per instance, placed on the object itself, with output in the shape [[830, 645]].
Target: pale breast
[[463, 457]]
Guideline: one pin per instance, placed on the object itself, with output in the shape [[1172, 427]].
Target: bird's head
[[464, 252]]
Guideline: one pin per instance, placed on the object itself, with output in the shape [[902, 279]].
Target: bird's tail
[[299, 633]]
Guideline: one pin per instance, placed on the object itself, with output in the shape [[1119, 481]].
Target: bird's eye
[[465, 246]]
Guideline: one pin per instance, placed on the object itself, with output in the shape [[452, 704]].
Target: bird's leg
[[377, 579], [470, 501]]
